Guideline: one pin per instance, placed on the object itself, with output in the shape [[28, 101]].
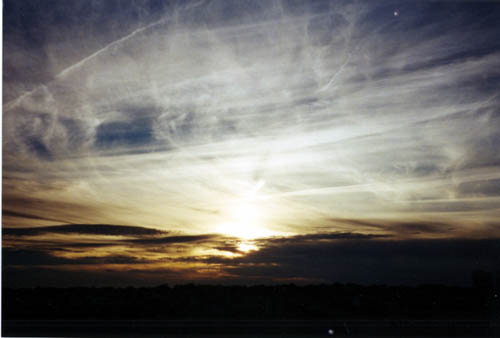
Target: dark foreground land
[[253, 329], [285, 310]]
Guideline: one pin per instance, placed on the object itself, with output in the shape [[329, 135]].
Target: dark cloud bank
[[311, 258], [84, 229]]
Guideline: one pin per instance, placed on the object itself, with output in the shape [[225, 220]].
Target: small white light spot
[[331, 332], [396, 13]]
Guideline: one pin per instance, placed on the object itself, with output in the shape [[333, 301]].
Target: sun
[[247, 247], [244, 222]]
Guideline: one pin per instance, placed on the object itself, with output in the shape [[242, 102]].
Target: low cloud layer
[[84, 229], [153, 259]]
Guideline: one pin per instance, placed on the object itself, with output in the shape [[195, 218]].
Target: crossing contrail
[[337, 73], [14, 103], [105, 48], [333, 190]]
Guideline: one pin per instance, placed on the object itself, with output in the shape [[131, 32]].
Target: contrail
[[337, 73], [119, 41], [104, 49], [333, 190], [11, 104]]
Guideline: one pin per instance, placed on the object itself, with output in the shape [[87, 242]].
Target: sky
[[245, 142]]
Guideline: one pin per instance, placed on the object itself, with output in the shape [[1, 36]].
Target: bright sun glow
[[246, 213], [246, 247], [244, 223]]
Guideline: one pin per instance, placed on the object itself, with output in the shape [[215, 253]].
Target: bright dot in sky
[[244, 223], [396, 13]]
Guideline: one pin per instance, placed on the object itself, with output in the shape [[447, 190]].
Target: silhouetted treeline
[[337, 301]]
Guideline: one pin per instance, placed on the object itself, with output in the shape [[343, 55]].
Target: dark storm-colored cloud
[[85, 229], [12, 257], [174, 239], [36, 246], [79, 246], [25, 215], [370, 261], [395, 229], [417, 228], [355, 222], [300, 259], [228, 247], [318, 237], [27, 257]]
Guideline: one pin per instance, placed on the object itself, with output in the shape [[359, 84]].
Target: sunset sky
[[149, 142]]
